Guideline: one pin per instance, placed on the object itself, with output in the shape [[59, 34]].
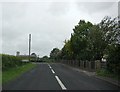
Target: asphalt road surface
[[55, 76]]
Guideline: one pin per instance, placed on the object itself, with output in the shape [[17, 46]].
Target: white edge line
[[60, 83]]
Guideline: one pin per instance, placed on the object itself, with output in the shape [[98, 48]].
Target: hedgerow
[[9, 61]]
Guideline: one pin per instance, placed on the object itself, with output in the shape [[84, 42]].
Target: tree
[[44, 59], [79, 39], [113, 64], [96, 44], [110, 29], [33, 57], [54, 53], [93, 42], [67, 52]]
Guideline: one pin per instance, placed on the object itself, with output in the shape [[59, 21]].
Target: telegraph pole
[[29, 46]]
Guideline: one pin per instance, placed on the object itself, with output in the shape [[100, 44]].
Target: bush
[[113, 64], [9, 61]]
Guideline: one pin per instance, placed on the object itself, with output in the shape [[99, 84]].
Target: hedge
[[9, 61]]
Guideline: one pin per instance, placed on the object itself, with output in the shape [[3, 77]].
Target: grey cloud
[[93, 7], [59, 8], [13, 10], [50, 23], [119, 8]]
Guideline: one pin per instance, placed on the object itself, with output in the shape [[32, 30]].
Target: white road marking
[[60, 83], [52, 71], [49, 66]]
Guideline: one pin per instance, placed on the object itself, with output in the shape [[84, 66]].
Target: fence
[[86, 65]]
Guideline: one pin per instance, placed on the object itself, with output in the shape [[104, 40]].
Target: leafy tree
[[79, 39], [93, 42], [110, 29], [45, 57], [113, 59], [112, 38], [54, 53], [67, 52], [96, 44]]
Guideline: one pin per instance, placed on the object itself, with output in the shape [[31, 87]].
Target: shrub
[[9, 61], [113, 59]]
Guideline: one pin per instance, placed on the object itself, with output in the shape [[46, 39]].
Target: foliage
[[93, 42], [96, 43], [113, 60], [9, 61], [67, 52], [54, 53], [107, 73], [111, 31], [109, 28], [79, 39], [44, 59]]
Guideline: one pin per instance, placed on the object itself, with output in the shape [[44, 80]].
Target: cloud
[[13, 10], [119, 8], [98, 10], [93, 7], [36, 19], [0, 28], [59, 8], [50, 23]]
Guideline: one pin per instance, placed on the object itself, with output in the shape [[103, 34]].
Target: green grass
[[0, 77], [13, 73], [105, 73]]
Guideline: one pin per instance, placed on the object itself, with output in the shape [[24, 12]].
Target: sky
[[49, 23]]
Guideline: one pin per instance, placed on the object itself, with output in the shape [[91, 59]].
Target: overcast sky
[[50, 23]]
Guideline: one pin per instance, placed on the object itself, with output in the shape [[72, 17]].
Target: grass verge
[[105, 73], [13, 73], [0, 77]]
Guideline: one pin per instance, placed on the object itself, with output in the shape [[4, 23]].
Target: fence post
[[97, 64], [92, 65]]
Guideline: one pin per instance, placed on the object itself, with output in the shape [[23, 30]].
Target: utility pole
[[29, 46]]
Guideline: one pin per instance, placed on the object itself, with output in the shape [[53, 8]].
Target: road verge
[[15, 72]]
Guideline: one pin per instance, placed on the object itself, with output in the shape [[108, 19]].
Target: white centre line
[[49, 66], [52, 71], [60, 83]]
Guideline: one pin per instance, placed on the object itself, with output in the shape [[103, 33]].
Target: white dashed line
[[60, 83], [52, 71], [49, 66]]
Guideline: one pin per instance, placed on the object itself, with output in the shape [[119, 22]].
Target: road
[[56, 76]]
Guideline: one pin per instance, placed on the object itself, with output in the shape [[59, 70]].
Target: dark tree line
[[93, 42]]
